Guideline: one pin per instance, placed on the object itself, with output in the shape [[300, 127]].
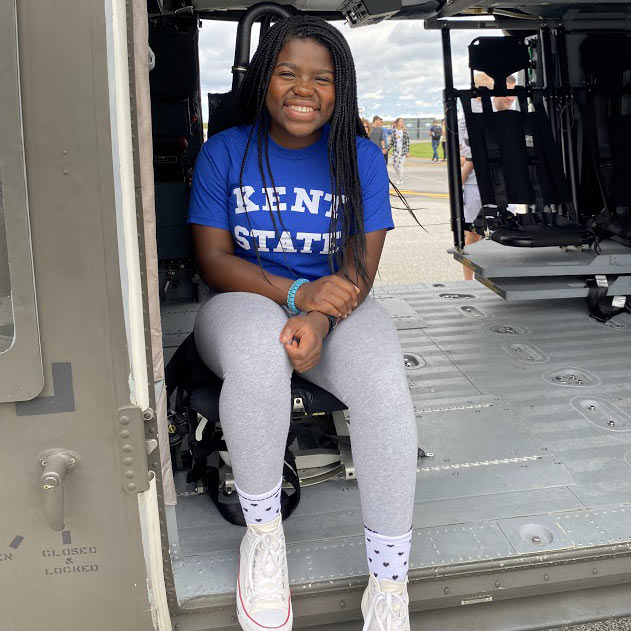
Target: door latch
[[55, 464]]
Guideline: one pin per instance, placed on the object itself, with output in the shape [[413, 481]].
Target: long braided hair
[[347, 216]]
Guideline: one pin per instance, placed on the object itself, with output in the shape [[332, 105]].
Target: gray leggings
[[361, 364]]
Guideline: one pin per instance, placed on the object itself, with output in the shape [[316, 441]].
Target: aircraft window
[[21, 371], [6, 308]]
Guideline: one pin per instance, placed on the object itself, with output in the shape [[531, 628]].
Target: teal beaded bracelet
[[291, 295]]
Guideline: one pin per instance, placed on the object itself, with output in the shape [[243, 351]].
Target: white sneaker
[[263, 598], [385, 606]]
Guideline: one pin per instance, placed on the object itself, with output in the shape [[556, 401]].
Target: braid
[[347, 216]]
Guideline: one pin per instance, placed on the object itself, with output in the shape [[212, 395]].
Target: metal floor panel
[[537, 287], [522, 450], [491, 260]]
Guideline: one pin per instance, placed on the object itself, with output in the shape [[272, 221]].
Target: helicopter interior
[[522, 400]]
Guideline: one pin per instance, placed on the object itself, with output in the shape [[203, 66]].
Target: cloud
[[399, 65]]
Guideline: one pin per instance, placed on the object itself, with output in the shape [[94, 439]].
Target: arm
[[374, 247], [466, 169], [222, 270], [302, 335]]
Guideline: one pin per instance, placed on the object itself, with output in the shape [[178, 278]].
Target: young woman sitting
[[289, 212]]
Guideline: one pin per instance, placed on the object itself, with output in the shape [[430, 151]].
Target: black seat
[[193, 388], [307, 398], [515, 157]]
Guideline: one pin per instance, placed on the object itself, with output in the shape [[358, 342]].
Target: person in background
[[378, 135], [367, 126], [470, 192], [388, 130], [400, 145], [435, 133], [443, 139]]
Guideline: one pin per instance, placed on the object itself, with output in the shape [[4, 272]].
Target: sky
[[399, 65]]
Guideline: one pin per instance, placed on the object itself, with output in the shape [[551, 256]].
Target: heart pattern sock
[[259, 509], [388, 557]]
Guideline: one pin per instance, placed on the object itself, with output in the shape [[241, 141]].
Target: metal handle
[[55, 463]]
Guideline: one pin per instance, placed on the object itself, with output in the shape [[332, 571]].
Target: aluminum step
[[489, 259]]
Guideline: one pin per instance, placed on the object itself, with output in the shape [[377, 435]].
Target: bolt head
[[49, 483]]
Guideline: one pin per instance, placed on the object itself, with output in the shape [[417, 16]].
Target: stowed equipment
[[515, 157], [604, 102], [573, 240]]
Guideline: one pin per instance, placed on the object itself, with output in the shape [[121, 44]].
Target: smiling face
[[301, 94]]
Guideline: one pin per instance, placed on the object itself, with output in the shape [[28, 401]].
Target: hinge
[[133, 450]]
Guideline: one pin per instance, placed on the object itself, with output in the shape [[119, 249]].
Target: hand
[[302, 337], [330, 294]]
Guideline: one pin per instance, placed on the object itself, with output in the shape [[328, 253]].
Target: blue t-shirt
[[298, 245]]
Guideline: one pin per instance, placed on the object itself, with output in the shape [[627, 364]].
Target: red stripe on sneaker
[[251, 618]]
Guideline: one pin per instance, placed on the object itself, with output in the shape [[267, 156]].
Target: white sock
[[259, 509], [388, 557]]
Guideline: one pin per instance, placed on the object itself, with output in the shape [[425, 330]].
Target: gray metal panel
[[536, 288], [492, 260], [72, 207], [568, 530]]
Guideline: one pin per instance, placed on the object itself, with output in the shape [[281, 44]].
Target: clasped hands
[[302, 335]]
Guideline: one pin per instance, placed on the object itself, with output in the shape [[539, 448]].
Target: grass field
[[423, 150]]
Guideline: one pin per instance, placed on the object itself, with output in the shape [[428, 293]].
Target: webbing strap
[[600, 305], [533, 160], [231, 510], [591, 134], [494, 153], [550, 150]]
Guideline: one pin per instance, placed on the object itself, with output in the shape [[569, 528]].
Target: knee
[[237, 333]]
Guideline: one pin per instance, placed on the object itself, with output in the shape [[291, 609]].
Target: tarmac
[[413, 254]]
